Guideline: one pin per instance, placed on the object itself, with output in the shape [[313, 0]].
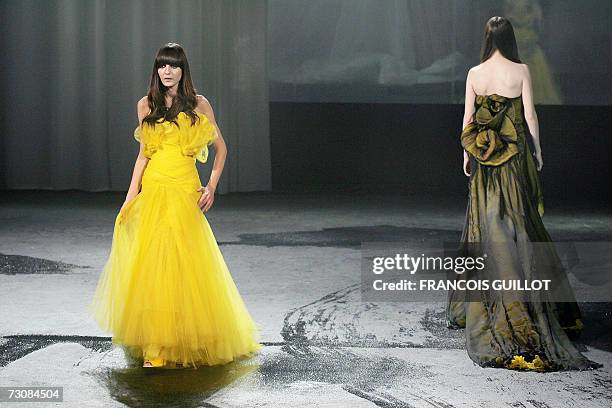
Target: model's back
[[498, 75]]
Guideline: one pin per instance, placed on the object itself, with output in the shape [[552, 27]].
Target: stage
[[296, 261]]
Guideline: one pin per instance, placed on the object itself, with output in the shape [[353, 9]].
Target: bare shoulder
[[475, 69], [524, 68], [142, 102], [474, 73], [203, 105], [143, 106], [201, 98]]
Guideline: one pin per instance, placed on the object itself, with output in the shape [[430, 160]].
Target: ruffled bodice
[[191, 140]]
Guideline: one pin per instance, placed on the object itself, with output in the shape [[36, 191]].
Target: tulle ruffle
[[194, 140]]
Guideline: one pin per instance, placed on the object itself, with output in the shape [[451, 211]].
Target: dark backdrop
[[415, 149]]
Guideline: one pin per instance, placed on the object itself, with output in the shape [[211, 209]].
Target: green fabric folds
[[491, 138], [531, 331]]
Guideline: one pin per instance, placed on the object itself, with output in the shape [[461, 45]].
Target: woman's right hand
[[128, 200], [123, 206], [466, 165], [121, 214]]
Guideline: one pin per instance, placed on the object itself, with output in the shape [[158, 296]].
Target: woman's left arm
[[208, 196], [531, 117]]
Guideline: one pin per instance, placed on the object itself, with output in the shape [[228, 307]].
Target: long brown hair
[[499, 35], [185, 99]]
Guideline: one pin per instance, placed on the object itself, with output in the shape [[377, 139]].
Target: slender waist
[[170, 166]]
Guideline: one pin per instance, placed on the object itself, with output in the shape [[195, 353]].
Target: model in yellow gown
[[165, 291]]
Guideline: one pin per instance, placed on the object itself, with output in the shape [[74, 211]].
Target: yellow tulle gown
[[165, 290]]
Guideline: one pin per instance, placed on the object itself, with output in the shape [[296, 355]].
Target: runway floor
[[296, 261]]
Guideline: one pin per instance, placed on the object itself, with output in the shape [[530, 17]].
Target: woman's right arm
[[468, 112], [141, 160], [530, 115]]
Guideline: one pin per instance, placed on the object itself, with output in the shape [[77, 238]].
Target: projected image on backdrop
[[419, 51]]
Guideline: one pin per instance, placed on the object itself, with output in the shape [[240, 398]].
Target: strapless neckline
[[503, 96], [164, 121]]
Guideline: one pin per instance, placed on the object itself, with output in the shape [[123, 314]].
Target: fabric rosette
[[491, 137]]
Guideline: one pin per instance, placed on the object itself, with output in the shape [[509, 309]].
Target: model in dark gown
[[503, 217]]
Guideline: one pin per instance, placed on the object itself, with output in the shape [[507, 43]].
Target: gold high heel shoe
[[150, 361], [154, 362]]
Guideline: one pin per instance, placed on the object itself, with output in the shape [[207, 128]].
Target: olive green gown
[[529, 331]]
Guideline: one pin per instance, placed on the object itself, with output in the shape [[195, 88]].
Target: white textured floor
[[323, 346]]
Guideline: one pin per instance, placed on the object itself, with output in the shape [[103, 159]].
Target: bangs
[[168, 56]]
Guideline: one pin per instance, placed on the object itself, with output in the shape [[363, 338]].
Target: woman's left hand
[[207, 198], [539, 161]]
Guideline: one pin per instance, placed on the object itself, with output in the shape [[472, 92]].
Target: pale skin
[[170, 77], [498, 75]]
